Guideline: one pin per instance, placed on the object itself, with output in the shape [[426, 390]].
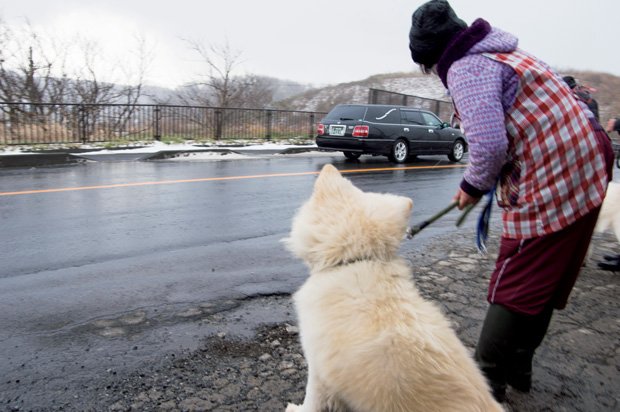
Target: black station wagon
[[398, 132]]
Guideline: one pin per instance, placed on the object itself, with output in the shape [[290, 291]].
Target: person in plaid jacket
[[549, 164]]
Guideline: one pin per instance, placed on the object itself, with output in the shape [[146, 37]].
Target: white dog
[[372, 343], [609, 217]]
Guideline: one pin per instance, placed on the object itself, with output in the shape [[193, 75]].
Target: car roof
[[384, 105]]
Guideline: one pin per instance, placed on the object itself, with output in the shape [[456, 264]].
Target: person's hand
[[610, 125], [464, 199]]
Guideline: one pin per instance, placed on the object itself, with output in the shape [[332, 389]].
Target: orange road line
[[214, 179]]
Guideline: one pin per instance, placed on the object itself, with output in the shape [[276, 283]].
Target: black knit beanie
[[433, 25]]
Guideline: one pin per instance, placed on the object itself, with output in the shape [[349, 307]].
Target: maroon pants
[[533, 273]]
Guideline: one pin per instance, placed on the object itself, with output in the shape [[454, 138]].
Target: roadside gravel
[[576, 368]]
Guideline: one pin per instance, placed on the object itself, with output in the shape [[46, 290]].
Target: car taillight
[[320, 129], [360, 131]]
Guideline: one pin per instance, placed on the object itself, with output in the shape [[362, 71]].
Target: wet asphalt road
[[97, 279]]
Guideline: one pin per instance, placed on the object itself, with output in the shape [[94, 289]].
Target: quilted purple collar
[[460, 45]]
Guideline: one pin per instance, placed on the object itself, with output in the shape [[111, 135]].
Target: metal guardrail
[[44, 123], [441, 108]]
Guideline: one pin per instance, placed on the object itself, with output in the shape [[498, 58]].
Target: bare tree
[[216, 88], [86, 87], [220, 86], [131, 92], [125, 81], [255, 91], [136, 73], [221, 61], [33, 73], [26, 66], [90, 91]]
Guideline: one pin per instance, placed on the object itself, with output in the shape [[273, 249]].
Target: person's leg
[[495, 347], [506, 347], [531, 331], [496, 342], [532, 328], [531, 278]]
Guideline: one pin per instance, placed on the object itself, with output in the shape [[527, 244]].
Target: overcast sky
[[322, 41]]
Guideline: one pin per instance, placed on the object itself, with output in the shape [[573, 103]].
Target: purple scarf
[[460, 45]]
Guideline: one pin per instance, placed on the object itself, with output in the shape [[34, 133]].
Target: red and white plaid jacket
[[555, 172]]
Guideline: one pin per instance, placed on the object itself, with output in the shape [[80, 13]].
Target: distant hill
[[607, 91], [295, 96], [282, 90], [325, 98]]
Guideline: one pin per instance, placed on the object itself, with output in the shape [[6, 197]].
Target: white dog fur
[[609, 217], [372, 343]]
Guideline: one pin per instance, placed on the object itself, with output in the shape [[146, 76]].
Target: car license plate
[[337, 129]]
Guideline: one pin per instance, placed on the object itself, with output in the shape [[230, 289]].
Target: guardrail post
[[157, 125], [268, 121], [312, 125], [82, 123], [218, 124]]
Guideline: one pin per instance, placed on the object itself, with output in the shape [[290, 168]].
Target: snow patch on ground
[[217, 156], [155, 146], [14, 151]]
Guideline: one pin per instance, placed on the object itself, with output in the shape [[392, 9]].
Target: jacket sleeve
[[482, 90]]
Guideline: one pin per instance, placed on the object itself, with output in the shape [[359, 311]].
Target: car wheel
[[400, 151], [458, 150], [352, 155]]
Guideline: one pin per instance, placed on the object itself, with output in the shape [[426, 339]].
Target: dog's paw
[[291, 407]]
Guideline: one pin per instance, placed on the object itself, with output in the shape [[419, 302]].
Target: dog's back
[[609, 217], [379, 346]]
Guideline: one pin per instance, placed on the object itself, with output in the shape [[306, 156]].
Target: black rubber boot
[[613, 265], [531, 330], [612, 258], [519, 374], [494, 347]]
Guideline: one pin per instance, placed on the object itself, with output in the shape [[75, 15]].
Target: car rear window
[[383, 115], [346, 113]]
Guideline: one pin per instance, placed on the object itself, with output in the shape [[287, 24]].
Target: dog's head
[[341, 224]]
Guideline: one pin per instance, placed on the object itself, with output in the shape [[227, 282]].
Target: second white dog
[[609, 217]]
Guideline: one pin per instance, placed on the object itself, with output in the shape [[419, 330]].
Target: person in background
[[528, 137], [583, 94], [613, 125]]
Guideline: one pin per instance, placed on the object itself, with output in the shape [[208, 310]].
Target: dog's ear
[[329, 168], [409, 205], [329, 183], [391, 213], [328, 172]]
